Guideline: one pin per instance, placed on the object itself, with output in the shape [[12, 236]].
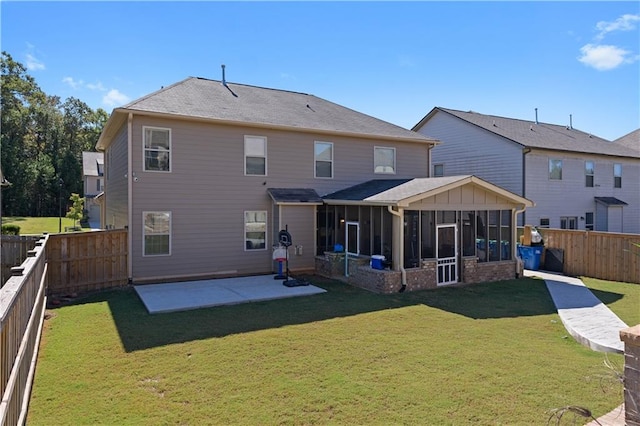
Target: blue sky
[[395, 61]]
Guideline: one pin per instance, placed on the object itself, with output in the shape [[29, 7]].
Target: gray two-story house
[[577, 180], [206, 174]]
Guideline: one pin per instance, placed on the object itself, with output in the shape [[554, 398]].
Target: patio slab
[[187, 295]]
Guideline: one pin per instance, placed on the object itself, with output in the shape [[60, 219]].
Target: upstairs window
[[323, 155], [589, 173], [555, 169], [617, 175], [384, 160], [255, 155], [544, 222], [157, 149], [438, 170], [98, 185]]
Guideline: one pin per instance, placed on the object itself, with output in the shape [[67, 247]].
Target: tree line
[[42, 140]]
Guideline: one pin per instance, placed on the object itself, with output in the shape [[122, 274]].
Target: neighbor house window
[[555, 169], [157, 149], [255, 230], [588, 221], [617, 175], [98, 185], [568, 222], [438, 170], [157, 233], [544, 222], [588, 173], [255, 155], [384, 160], [323, 159]]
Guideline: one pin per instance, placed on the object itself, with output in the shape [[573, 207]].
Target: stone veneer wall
[[361, 275], [479, 272], [631, 338]]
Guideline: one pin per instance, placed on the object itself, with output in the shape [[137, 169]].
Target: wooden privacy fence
[[603, 255], [87, 261], [22, 306], [13, 252]]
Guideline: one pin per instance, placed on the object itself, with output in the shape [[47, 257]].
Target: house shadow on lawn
[[140, 330]]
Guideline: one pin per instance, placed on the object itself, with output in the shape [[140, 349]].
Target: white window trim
[[549, 168], [593, 175], [314, 160], [144, 149], [264, 138], [244, 229], [144, 213], [394, 160], [615, 176]]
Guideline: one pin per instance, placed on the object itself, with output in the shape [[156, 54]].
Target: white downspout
[[403, 272], [130, 196], [514, 236]]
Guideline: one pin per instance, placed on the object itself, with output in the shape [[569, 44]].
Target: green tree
[[77, 207], [42, 142]]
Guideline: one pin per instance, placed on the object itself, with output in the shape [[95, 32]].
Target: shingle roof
[[630, 140], [404, 191], [294, 196], [542, 135], [610, 201], [239, 103], [90, 161]]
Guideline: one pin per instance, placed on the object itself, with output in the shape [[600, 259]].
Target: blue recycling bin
[[530, 256]]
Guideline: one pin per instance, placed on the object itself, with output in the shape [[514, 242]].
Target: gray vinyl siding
[[300, 221], [469, 150], [571, 197], [115, 184], [207, 192]]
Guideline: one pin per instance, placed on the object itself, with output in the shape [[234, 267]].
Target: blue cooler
[[377, 261]]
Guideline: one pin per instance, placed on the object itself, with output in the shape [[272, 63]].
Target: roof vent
[[571, 121], [536, 116], [224, 80], [494, 123]]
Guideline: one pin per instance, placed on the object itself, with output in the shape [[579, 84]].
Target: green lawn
[[39, 225], [492, 353], [627, 308]]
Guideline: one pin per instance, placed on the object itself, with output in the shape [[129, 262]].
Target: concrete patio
[[182, 296]]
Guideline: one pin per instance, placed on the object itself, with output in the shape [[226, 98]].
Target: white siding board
[[469, 150], [570, 196]]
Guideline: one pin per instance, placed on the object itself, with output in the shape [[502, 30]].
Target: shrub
[[10, 229]]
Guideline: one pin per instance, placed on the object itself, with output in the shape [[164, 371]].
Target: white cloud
[[96, 86], [73, 83], [626, 22], [115, 97], [604, 57], [33, 63]]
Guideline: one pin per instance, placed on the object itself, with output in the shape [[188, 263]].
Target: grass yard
[[493, 353], [39, 225], [627, 308]]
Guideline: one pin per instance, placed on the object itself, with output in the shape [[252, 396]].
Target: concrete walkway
[[584, 316]]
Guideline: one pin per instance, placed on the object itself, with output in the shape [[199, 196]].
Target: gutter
[[130, 196], [403, 272]]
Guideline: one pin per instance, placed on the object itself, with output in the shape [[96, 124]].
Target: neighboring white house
[[93, 179], [577, 180]]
